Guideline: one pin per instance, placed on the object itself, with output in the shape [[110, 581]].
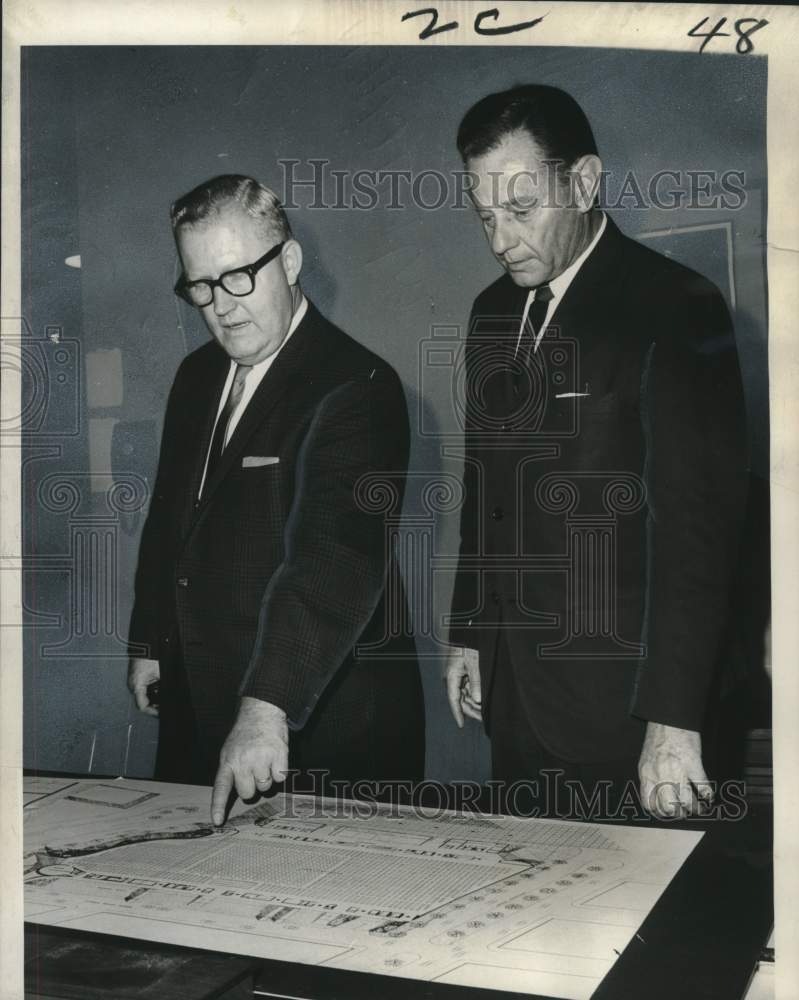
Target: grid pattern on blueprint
[[272, 864], [397, 883], [557, 834], [159, 859]]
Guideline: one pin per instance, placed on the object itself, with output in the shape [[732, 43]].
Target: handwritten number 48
[[744, 44]]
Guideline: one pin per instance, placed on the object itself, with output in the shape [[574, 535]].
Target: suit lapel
[[592, 292], [585, 314], [502, 315], [290, 366], [583, 310], [208, 388]]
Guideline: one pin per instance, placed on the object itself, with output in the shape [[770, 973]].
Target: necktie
[[535, 318], [232, 401]]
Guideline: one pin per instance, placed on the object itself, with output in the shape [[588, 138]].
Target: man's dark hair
[[209, 198], [551, 117]]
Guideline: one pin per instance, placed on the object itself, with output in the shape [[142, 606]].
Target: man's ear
[[586, 174], [291, 255]]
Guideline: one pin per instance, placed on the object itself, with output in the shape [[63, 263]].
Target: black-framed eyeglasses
[[240, 281]]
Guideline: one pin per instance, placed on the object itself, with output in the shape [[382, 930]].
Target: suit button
[[495, 597], [183, 581], [166, 640], [497, 514]]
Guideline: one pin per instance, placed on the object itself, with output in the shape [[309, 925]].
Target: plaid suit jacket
[[267, 583]]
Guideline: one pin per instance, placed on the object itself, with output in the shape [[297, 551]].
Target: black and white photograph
[[399, 518]]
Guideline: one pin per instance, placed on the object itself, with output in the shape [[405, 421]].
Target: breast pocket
[[600, 405], [568, 415], [253, 510], [609, 436], [261, 496]]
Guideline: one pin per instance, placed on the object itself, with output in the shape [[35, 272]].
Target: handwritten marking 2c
[[434, 28]]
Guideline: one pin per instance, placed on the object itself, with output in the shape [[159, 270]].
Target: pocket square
[[256, 461], [574, 395]]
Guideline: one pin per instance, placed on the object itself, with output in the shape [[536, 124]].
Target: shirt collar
[[564, 279], [263, 366], [298, 317]]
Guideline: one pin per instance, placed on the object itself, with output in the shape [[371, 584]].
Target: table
[[74, 965], [706, 932]]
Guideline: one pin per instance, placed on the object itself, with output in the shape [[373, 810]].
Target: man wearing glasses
[[264, 575]]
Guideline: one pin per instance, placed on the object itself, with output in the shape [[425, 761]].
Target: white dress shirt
[[252, 381], [558, 288]]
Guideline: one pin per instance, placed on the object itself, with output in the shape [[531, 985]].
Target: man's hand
[[142, 672], [255, 754], [673, 780], [462, 676]]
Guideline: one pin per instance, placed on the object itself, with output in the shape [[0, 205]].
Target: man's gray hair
[[208, 199]]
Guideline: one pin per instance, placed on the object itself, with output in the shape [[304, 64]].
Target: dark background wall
[[112, 135]]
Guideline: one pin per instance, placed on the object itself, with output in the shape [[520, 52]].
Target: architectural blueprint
[[542, 906]]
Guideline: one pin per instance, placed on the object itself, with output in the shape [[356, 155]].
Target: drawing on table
[[540, 906]]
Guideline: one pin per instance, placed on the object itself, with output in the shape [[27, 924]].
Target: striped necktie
[[534, 321], [220, 433]]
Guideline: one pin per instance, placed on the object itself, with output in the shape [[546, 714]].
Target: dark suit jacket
[[269, 581], [622, 507]]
